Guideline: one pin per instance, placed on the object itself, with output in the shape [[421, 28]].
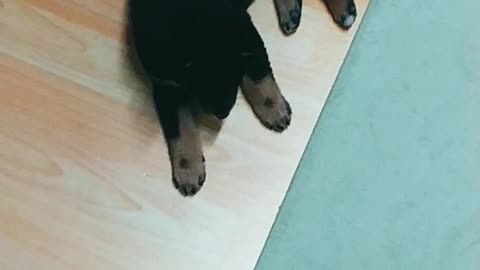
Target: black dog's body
[[199, 50], [198, 54]]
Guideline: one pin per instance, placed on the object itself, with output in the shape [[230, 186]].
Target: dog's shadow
[[210, 127], [142, 96]]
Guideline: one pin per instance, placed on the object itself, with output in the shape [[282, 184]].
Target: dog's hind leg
[[289, 15], [182, 137], [344, 12]]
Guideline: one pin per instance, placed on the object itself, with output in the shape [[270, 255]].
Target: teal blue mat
[[391, 177]]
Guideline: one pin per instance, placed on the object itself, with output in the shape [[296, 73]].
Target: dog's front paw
[[268, 104], [275, 116], [189, 175], [344, 12], [289, 13]]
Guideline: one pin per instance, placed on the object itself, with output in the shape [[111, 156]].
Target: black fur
[[196, 51]]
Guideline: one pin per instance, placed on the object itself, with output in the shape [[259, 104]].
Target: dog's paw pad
[[268, 103], [202, 178], [183, 163]]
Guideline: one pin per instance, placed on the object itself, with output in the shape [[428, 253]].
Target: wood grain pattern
[[84, 174]]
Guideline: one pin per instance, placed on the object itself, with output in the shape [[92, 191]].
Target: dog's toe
[[282, 124], [295, 16], [289, 27], [347, 21], [344, 12], [188, 190], [201, 179]]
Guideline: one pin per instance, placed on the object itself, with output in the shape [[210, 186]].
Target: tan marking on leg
[[267, 102], [186, 156]]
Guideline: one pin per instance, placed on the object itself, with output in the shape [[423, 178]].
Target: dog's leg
[[267, 102], [183, 140], [344, 12], [289, 15], [258, 84]]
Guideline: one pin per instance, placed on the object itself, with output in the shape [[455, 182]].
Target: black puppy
[[197, 54], [289, 12]]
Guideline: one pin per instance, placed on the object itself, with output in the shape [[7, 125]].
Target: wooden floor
[[84, 175]]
